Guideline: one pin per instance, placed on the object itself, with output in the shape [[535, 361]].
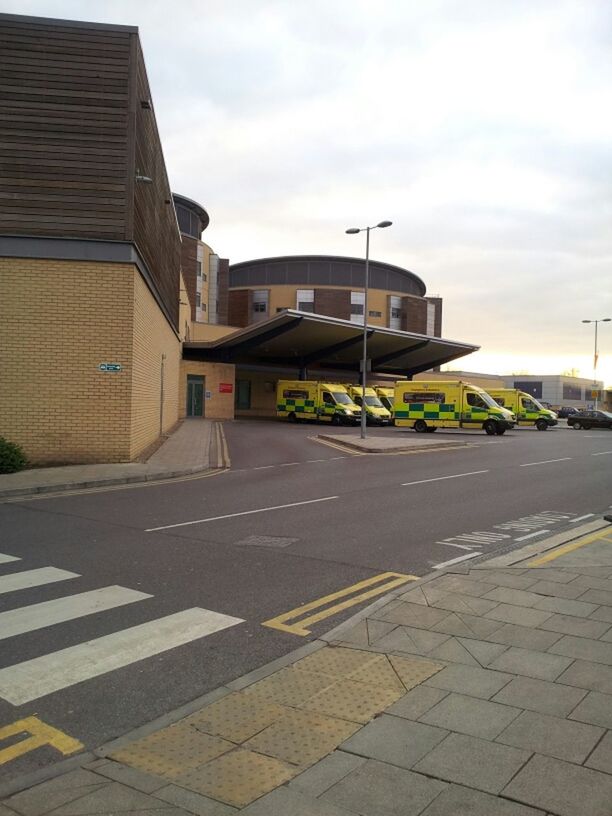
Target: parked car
[[565, 411], [590, 419]]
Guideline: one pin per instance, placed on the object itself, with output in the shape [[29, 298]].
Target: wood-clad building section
[[76, 127]]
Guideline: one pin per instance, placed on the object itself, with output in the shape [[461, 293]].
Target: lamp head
[[587, 321], [606, 319], [352, 231], [384, 224]]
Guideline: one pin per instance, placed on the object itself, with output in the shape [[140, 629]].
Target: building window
[[396, 314], [431, 318], [304, 299], [281, 309], [375, 314], [534, 387], [204, 276], [570, 392], [198, 300], [203, 307], [199, 268], [260, 302], [357, 306]]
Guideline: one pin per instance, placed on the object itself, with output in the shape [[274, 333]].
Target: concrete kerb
[[217, 452], [334, 635], [382, 445]]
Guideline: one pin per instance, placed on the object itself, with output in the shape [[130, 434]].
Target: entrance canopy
[[302, 339]]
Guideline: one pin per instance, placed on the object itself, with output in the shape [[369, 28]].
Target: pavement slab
[[541, 696], [586, 675], [531, 663], [584, 649], [563, 606], [56, 792], [561, 788], [286, 802], [320, 777], [512, 579], [394, 740], [470, 680], [596, 708], [417, 702], [524, 636], [456, 800], [580, 627], [601, 758], [411, 640], [469, 715], [115, 798], [409, 614], [193, 802], [524, 616], [464, 625], [378, 789], [555, 589], [473, 762], [552, 736]]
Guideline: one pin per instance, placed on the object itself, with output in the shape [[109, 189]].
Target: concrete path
[[197, 445], [392, 443], [477, 691]]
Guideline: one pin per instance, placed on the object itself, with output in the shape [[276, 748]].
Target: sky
[[482, 130]]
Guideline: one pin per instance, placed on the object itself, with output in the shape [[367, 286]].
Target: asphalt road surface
[[119, 605]]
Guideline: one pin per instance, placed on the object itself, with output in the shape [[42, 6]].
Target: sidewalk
[[391, 444], [197, 445], [478, 691]]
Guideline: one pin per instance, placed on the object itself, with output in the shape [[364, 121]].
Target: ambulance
[[321, 401], [527, 409], [429, 405], [385, 395], [376, 413]]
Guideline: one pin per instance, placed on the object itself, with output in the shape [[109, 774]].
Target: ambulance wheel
[[542, 425], [500, 431], [420, 426], [335, 420], [490, 427], [292, 417], [431, 430]]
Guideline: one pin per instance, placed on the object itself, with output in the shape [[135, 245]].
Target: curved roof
[[193, 207], [342, 270]]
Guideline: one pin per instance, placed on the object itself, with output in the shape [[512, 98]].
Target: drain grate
[[266, 541]]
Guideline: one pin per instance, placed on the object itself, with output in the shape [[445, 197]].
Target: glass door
[[195, 396]]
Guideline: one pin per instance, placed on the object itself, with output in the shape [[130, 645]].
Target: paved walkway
[[391, 444], [480, 691], [195, 446]]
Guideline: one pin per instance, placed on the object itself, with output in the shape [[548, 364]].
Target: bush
[[12, 458]]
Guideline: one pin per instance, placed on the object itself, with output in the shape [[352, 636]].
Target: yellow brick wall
[[58, 321], [210, 331], [152, 337], [219, 406]]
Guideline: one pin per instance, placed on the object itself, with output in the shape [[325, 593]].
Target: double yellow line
[[297, 619]]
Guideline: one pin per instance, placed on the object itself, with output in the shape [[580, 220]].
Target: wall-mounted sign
[[110, 367], [226, 388], [209, 395]]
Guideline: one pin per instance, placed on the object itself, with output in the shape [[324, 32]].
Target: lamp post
[[601, 320], [354, 231]]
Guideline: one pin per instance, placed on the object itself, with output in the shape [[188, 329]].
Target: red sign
[[226, 388]]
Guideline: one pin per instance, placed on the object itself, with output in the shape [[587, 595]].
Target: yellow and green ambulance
[[376, 413], [429, 405], [321, 401], [386, 395], [527, 409]]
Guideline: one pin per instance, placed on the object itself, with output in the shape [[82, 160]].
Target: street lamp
[[601, 320], [354, 231]]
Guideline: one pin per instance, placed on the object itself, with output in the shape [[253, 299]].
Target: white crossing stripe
[[37, 616], [4, 559], [33, 578], [43, 675], [456, 560], [441, 478]]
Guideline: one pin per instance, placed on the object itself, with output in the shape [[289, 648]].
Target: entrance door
[[195, 395], [243, 394]]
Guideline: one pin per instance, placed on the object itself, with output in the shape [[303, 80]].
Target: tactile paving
[[302, 737], [336, 661], [238, 778], [171, 751], [412, 672], [379, 672], [289, 687], [350, 700], [236, 717]]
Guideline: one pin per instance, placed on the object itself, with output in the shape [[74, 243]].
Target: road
[[171, 584]]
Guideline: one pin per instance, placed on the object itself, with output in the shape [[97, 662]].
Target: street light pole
[[601, 320], [354, 231]]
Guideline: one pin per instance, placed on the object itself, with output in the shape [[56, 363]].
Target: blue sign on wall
[[110, 366]]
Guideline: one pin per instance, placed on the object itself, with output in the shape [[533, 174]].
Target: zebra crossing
[[31, 679]]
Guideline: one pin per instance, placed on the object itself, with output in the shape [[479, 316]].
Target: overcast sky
[[481, 128]]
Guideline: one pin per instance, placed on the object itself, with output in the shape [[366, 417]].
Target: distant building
[[558, 389]]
